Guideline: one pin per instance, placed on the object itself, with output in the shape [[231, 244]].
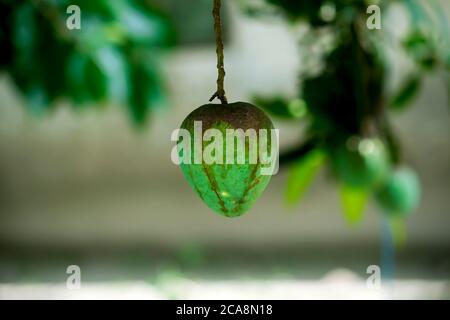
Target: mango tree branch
[[220, 93]]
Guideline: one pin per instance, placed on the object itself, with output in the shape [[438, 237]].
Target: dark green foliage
[[300, 9], [347, 98], [280, 107], [112, 58], [421, 49], [406, 93]]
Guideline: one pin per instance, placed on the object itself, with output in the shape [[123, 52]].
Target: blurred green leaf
[[95, 81], [111, 63], [407, 93], [302, 174], [295, 10], [100, 8], [88, 66], [429, 40], [398, 231], [421, 49], [24, 40], [275, 106], [76, 76], [142, 26], [280, 107], [353, 201], [147, 92], [95, 34], [400, 193]]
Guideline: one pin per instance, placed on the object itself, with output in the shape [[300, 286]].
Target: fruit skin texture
[[365, 165], [228, 189], [400, 194]]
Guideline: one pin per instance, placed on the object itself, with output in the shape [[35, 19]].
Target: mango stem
[[220, 93]]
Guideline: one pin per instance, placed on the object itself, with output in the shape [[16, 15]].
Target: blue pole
[[387, 253]]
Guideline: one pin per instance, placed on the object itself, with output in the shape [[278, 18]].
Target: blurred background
[[86, 177]]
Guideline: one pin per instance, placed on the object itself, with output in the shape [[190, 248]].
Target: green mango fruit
[[360, 162], [232, 182], [400, 193]]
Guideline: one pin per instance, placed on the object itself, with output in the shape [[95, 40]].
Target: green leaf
[[280, 107], [75, 78], [398, 231], [422, 49], [112, 64], [94, 33], [146, 92], [142, 25], [353, 201], [406, 93], [88, 66], [295, 9], [95, 82], [302, 174]]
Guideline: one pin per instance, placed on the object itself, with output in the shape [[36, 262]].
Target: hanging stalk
[[220, 93]]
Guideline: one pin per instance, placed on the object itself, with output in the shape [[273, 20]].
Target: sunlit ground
[[192, 273]]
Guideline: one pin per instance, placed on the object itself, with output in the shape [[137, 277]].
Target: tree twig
[[220, 93]]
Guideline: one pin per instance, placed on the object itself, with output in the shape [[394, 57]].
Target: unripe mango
[[363, 164], [400, 193], [232, 186]]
